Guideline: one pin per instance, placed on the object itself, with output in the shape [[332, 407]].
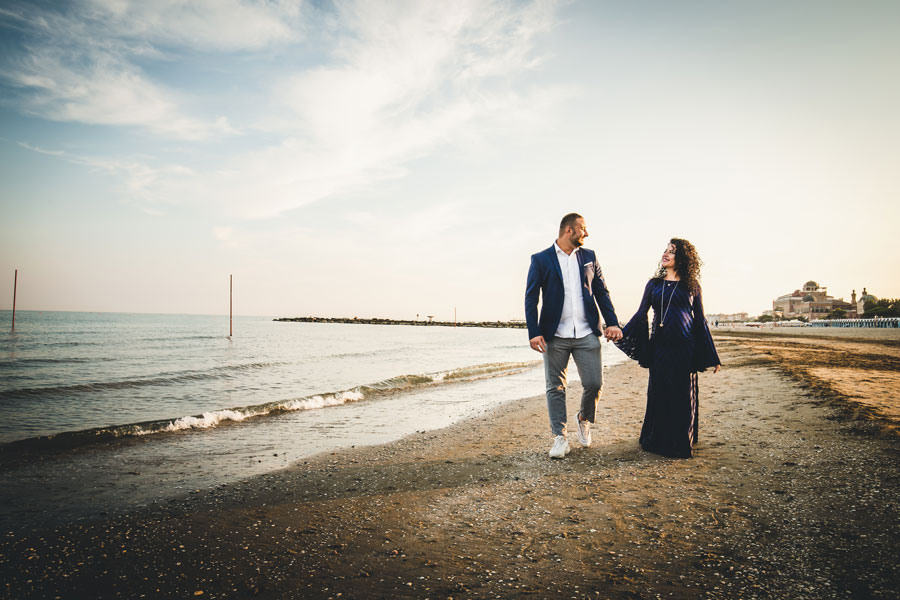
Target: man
[[568, 281]]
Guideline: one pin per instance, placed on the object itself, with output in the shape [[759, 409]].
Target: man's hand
[[538, 344], [613, 334]]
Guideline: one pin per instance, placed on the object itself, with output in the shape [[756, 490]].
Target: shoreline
[[789, 495], [127, 473], [63, 441]]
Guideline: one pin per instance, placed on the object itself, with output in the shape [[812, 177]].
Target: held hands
[[613, 334], [538, 344]]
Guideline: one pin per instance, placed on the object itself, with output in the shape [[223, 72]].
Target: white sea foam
[[206, 420], [315, 402], [218, 417]]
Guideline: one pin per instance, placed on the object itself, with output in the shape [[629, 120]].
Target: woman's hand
[[716, 370]]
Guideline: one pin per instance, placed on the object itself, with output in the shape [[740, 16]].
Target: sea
[[112, 410]]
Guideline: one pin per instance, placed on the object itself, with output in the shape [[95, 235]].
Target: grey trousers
[[586, 352]]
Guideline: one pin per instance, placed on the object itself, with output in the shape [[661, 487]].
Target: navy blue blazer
[[545, 280]]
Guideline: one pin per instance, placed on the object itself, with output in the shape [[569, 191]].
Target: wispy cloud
[[146, 186], [200, 24], [79, 65], [106, 91], [403, 78], [390, 82]]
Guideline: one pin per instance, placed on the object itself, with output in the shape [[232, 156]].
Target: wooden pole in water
[[230, 305], [15, 286]]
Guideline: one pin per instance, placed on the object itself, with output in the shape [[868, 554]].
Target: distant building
[[861, 303], [813, 302], [727, 318]]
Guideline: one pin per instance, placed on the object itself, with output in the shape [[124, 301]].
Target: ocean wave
[[178, 338], [387, 386], [66, 344], [486, 370], [217, 418], [236, 415], [16, 363], [156, 380], [346, 355]]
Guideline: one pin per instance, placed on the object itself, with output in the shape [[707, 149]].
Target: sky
[[394, 159]]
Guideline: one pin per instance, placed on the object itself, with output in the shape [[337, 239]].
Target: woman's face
[[668, 257]]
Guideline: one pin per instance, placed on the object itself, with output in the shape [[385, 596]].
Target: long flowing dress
[[674, 350]]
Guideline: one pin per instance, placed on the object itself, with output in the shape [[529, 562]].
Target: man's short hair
[[568, 221]]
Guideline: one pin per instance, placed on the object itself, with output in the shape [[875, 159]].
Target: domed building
[[813, 302], [861, 304]]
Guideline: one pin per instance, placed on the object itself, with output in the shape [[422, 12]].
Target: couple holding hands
[[567, 279]]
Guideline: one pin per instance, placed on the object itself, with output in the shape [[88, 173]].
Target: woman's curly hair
[[687, 265]]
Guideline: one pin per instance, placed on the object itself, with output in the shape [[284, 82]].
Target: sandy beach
[[794, 493]]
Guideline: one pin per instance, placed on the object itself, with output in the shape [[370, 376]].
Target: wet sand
[[794, 493]]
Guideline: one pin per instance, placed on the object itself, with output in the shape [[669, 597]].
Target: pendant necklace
[[662, 299]]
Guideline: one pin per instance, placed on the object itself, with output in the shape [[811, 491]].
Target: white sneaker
[[560, 447], [584, 431]]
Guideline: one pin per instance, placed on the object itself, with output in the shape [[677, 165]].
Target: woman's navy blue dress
[[674, 351]]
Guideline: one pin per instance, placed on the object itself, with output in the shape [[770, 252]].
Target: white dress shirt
[[573, 323]]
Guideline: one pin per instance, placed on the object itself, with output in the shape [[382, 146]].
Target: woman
[[678, 346]]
